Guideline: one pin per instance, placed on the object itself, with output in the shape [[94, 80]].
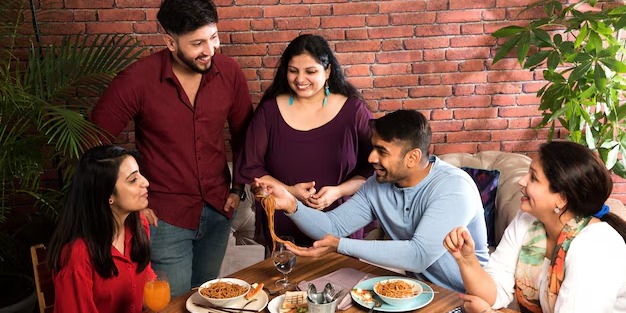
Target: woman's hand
[[460, 244], [303, 191], [150, 216], [325, 197], [285, 201], [474, 304]]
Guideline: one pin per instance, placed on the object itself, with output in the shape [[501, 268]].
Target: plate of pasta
[[196, 298], [424, 297]]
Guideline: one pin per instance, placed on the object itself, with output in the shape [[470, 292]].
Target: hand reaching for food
[[303, 191], [460, 243], [325, 197]]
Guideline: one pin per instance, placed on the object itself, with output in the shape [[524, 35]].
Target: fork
[[376, 304]]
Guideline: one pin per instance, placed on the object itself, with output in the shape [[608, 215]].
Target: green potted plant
[[582, 58], [45, 92]]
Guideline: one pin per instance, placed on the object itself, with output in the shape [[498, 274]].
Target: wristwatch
[[238, 192]]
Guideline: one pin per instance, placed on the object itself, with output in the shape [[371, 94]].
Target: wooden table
[[309, 269]]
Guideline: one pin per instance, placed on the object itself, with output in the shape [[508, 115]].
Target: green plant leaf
[[611, 158], [536, 58], [582, 35], [614, 64], [508, 31], [579, 71], [523, 46], [506, 48], [594, 43], [554, 59], [599, 77]]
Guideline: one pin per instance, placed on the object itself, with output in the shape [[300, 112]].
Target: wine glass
[[285, 261], [156, 292]]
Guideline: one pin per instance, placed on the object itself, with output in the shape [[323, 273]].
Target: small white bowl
[[415, 287], [224, 302]]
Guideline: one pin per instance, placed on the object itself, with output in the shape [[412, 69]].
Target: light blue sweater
[[416, 218]]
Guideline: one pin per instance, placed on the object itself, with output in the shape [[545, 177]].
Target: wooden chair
[[43, 278]]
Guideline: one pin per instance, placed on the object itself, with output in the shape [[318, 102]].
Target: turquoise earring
[[326, 94], [290, 99]]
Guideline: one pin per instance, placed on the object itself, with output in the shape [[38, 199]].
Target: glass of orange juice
[[156, 292]]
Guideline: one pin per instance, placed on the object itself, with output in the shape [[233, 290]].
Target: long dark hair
[[575, 172], [319, 49], [88, 216]]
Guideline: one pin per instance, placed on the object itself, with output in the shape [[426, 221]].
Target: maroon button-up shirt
[[182, 146]]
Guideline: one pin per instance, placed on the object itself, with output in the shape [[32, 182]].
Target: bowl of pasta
[[398, 291], [224, 292]]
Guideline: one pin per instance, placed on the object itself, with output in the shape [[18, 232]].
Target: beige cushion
[[512, 167]]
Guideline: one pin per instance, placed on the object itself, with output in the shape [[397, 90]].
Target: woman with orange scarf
[[563, 252]]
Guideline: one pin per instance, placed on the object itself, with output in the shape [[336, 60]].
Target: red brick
[[355, 8], [356, 58], [390, 32], [512, 3], [532, 87], [277, 48], [413, 18], [398, 56], [504, 64], [245, 62], [342, 21], [524, 99], [509, 76], [490, 123], [356, 34], [390, 69], [234, 25], [53, 16], [426, 43], [467, 53], [395, 81], [468, 102], [436, 137], [472, 65], [430, 91], [464, 4], [437, 30], [435, 55], [300, 23], [446, 126], [239, 38], [441, 114], [150, 40], [63, 29], [108, 27], [145, 28], [468, 136], [458, 16], [257, 2], [328, 34], [435, 67], [50, 4], [511, 135], [239, 12], [85, 15], [455, 148], [112, 15], [430, 79], [401, 6], [249, 73], [355, 46], [270, 62], [494, 15], [91, 4], [530, 110], [461, 114], [437, 5], [390, 105], [519, 122], [377, 20], [276, 36], [321, 10], [361, 82], [521, 146], [504, 88], [503, 100], [137, 3], [423, 103], [463, 90], [393, 45], [472, 29], [357, 70], [261, 24], [385, 93], [472, 41], [464, 78], [151, 14]]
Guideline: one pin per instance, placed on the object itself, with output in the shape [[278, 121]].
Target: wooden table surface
[[309, 269]]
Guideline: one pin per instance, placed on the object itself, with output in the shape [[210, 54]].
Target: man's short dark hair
[[179, 17], [410, 127]]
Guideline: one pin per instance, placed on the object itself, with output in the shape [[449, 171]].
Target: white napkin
[[344, 279]]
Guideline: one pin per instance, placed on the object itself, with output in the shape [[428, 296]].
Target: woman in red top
[[100, 250]]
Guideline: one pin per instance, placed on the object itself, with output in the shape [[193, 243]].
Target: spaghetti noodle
[[269, 205], [223, 290], [395, 289]]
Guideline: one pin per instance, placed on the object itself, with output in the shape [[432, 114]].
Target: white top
[[595, 269]]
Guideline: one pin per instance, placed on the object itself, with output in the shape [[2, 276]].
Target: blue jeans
[[190, 257]]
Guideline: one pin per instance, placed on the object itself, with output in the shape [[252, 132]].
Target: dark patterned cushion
[[487, 183]]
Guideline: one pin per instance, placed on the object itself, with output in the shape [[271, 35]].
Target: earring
[[110, 201], [290, 99], [557, 210], [326, 93]]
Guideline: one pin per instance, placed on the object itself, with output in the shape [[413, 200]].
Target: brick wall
[[430, 55]]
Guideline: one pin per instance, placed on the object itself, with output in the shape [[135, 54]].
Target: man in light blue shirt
[[416, 198]]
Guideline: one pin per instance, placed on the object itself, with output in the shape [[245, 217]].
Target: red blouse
[[79, 288]]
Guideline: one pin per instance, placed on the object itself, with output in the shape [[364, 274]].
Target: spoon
[[329, 293], [312, 294]]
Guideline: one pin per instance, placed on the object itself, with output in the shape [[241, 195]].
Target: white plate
[[274, 305], [258, 305], [420, 301]]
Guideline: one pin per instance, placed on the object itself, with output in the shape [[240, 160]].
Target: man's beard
[[191, 64]]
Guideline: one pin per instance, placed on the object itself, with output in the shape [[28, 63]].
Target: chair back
[[44, 281]]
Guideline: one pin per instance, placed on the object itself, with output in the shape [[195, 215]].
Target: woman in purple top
[[310, 132]]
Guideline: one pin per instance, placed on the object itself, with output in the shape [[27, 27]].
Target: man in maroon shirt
[[180, 99]]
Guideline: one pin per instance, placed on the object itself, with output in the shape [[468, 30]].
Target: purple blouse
[[329, 155]]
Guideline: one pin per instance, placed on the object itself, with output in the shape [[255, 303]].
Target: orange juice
[[156, 294]]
